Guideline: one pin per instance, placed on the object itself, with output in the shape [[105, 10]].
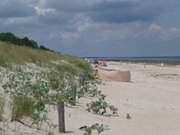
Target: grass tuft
[[1, 107], [22, 107]]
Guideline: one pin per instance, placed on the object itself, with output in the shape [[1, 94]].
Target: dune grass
[[11, 54], [1, 107], [22, 107]]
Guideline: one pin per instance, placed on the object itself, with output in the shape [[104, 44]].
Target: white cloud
[[43, 12]]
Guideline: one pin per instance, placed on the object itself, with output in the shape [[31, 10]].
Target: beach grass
[[11, 54], [22, 107], [1, 107]]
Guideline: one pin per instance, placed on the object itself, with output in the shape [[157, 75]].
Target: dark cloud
[[84, 27], [127, 11], [115, 11], [55, 18], [15, 8], [58, 12]]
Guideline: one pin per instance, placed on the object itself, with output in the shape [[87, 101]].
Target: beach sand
[[152, 99]]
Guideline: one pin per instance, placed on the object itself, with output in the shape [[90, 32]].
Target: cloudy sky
[[97, 27]]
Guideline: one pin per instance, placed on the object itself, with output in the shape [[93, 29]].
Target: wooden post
[[74, 94], [61, 117]]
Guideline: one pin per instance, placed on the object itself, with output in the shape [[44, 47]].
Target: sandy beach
[[90, 67], [151, 99]]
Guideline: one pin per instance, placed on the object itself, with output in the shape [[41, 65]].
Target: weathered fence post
[[61, 117], [74, 90]]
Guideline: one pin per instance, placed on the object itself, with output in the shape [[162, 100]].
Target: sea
[[172, 60]]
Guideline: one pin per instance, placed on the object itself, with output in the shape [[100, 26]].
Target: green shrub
[[100, 106], [99, 128]]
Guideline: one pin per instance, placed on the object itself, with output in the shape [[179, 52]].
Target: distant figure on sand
[[103, 63]]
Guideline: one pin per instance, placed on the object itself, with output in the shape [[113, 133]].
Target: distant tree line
[[12, 38]]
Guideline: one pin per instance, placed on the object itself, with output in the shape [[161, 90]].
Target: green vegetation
[[39, 78], [100, 106], [31, 91], [99, 128], [1, 107], [11, 54], [22, 106], [12, 38], [27, 91], [56, 78]]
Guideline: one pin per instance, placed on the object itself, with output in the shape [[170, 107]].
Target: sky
[[111, 28]]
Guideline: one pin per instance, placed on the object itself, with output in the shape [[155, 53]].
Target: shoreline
[[144, 60]]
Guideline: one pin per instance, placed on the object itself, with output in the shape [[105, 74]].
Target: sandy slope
[[152, 99]]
